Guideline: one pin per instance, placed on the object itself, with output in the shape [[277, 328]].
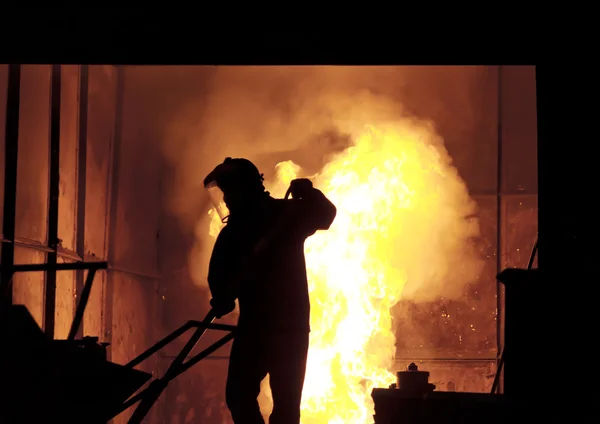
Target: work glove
[[222, 307], [301, 188]]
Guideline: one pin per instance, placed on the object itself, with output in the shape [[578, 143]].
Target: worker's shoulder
[[226, 232]]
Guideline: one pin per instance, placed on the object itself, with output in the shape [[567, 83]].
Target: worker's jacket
[[259, 259]]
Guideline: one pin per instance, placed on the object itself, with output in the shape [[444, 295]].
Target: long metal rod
[[491, 359], [11, 150], [202, 355], [533, 253], [499, 224], [157, 386], [82, 125], [53, 189], [159, 345], [175, 334], [112, 194], [58, 267], [177, 367], [83, 301]]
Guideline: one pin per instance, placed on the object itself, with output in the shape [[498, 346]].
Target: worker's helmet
[[231, 182]]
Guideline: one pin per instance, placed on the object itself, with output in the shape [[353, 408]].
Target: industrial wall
[[113, 127], [108, 206]]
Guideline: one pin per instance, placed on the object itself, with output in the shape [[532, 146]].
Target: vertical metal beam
[[82, 126], [11, 131], [113, 196], [499, 232], [54, 188]]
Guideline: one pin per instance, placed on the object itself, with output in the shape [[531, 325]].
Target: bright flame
[[396, 225]]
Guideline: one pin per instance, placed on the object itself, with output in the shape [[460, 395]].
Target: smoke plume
[[309, 115]]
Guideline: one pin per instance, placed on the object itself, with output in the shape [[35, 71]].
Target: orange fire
[[396, 226]]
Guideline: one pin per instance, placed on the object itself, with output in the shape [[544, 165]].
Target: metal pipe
[[135, 273], [26, 243], [458, 360], [533, 254], [58, 266], [113, 196], [177, 367], [82, 126], [155, 389], [159, 345], [11, 148], [499, 223], [54, 190], [83, 301]]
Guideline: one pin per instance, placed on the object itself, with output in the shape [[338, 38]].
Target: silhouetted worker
[[258, 258]]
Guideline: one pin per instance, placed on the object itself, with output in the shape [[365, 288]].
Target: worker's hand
[[300, 188], [222, 307]]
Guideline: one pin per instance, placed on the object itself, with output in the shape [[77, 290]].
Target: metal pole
[[177, 366], [83, 300], [113, 199], [81, 177], [499, 223], [54, 189], [11, 141]]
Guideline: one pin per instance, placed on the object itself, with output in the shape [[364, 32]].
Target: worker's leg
[[247, 368], [287, 367]]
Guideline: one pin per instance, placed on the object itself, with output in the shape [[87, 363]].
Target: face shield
[[217, 198]]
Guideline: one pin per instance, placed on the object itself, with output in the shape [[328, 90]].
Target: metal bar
[[159, 345], [213, 326], [212, 358], [157, 386], [112, 188], [503, 194], [175, 334], [83, 300], [53, 189], [149, 396], [192, 342], [82, 126], [499, 222], [68, 254], [135, 273], [205, 353], [533, 253], [58, 266], [26, 243], [11, 146], [29, 244], [494, 359]]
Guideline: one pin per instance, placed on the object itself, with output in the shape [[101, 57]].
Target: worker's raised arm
[[316, 211]]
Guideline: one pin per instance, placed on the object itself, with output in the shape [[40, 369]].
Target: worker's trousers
[[283, 357]]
